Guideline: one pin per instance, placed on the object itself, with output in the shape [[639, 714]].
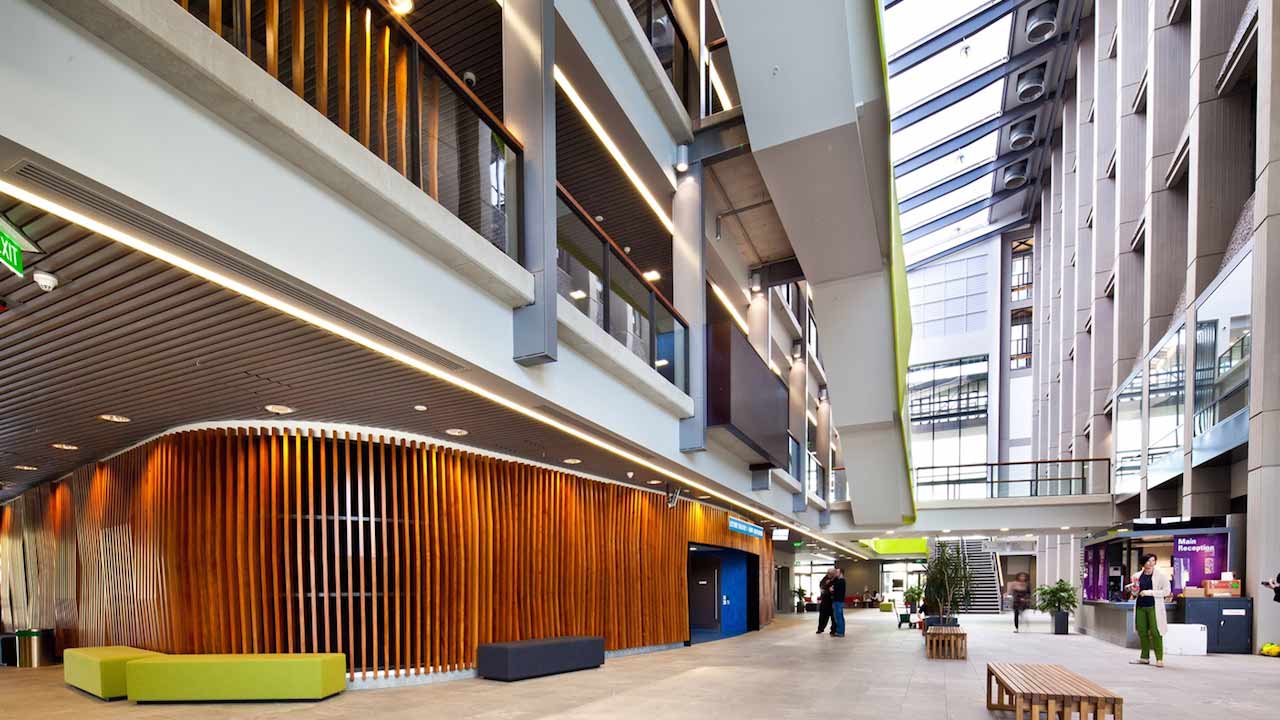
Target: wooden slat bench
[[1029, 690], [946, 643]]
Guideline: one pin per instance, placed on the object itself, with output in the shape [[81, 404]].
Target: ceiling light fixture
[[401, 7], [1004, 529], [652, 276], [321, 322], [653, 482], [946, 531], [599, 218], [114, 418], [26, 468], [890, 532], [572, 461], [456, 432], [682, 158], [279, 409], [722, 93], [704, 497], [1066, 527], [64, 446], [420, 408], [613, 148], [577, 294], [661, 362]]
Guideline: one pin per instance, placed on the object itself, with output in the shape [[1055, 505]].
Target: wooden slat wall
[[404, 556]]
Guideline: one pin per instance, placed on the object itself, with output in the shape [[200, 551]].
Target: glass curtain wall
[[948, 405], [1223, 344], [1166, 392], [1128, 436]]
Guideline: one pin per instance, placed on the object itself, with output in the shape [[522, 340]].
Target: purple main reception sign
[[1197, 558]]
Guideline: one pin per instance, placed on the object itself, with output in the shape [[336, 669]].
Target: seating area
[[113, 672], [525, 659], [946, 643], [1028, 690]]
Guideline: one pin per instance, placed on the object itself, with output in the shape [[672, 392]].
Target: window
[[949, 298], [1020, 340], [1020, 277], [948, 406], [1223, 344], [1166, 390], [1128, 436]]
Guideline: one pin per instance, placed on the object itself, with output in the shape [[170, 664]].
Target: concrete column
[[1219, 131], [688, 281], [1263, 534], [1084, 182], [529, 109], [1130, 164], [1168, 65], [1104, 227], [1054, 289], [1066, 309]]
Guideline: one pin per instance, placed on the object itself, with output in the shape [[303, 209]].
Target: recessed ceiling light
[[703, 497], [630, 474], [661, 362], [64, 446], [652, 276], [890, 532], [401, 7], [26, 468], [279, 409], [1066, 527], [654, 482], [626, 249], [572, 461], [1004, 529], [599, 218], [577, 294], [114, 418], [420, 408], [946, 531], [456, 432]]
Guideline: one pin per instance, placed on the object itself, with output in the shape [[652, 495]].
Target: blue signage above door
[[739, 525]]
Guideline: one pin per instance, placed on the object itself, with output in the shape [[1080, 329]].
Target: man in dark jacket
[[824, 601], [837, 604]]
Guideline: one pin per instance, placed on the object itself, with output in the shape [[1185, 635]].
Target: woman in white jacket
[[1150, 587]]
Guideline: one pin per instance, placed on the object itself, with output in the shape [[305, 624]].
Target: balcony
[[1031, 479], [745, 398], [598, 279], [370, 74]]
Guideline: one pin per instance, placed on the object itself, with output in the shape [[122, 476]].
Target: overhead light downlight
[[1014, 176], [1031, 85], [113, 418], [1042, 23], [1022, 134]]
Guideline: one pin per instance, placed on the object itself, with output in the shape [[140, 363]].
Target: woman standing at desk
[[1150, 587]]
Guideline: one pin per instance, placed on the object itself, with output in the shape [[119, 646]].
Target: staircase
[[986, 591]]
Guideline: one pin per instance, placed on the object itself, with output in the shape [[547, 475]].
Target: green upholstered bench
[[100, 670], [176, 678]]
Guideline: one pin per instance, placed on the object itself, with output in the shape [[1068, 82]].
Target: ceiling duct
[[1042, 23], [1023, 134], [1031, 84], [1014, 176]]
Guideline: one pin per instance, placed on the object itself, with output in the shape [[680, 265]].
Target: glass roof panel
[[948, 237], [977, 108], [954, 200], [967, 57], [911, 21], [949, 165]]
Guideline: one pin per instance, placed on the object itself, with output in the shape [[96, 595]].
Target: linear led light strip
[[404, 358], [717, 83], [724, 300]]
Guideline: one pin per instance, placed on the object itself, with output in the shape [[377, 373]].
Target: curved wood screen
[[402, 555]]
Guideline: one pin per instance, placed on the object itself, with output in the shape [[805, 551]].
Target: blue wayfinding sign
[[739, 525]]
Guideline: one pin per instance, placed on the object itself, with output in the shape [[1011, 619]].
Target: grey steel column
[[688, 245], [529, 109]]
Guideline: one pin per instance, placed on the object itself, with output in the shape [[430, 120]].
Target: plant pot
[[800, 607], [1060, 622]]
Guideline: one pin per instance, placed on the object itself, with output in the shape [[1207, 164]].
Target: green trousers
[[1149, 633]]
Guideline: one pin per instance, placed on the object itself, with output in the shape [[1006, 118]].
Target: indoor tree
[[948, 583]]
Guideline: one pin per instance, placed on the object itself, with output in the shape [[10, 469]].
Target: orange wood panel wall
[[402, 555]]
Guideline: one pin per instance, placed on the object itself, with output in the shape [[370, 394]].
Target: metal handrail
[[987, 474]]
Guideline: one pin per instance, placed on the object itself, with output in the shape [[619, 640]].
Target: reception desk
[[1113, 621]]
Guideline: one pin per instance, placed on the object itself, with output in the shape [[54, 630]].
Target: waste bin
[[9, 650], [35, 648]]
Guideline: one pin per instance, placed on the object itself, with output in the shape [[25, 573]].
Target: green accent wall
[[899, 546]]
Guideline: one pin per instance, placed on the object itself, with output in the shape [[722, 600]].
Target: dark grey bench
[[534, 658]]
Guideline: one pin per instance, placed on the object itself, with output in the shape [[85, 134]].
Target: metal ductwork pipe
[[1022, 134], [1031, 84], [1042, 23]]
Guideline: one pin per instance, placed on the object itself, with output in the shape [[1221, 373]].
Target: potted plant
[[912, 597], [1059, 600], [799, 593], [947, 585]]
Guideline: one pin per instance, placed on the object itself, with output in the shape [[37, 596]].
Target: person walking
[[824, 601], [1019, 596], [1150, 587], [837, 604], [1274, 586]]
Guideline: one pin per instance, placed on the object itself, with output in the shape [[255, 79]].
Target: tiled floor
[[785, 671]]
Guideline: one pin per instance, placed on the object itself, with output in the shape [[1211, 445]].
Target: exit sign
[[10, 252]]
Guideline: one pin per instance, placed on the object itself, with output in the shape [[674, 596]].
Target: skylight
[[977, 108], [954, 200], [911, 21], [948, 166], [970, 56]]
